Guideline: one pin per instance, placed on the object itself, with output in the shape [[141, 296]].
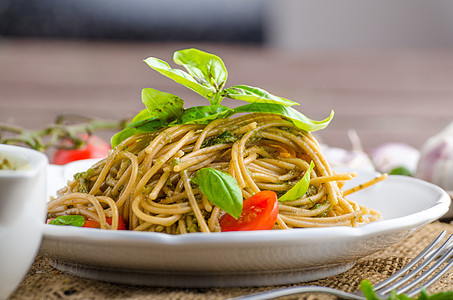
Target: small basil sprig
[[221, 189], [300, 188], [74, 220], [206, 114], [206, 75]]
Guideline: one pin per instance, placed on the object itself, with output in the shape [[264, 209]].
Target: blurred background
[[384, 66]]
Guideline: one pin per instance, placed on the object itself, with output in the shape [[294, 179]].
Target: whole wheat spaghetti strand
[[160, 220], [365, 185], [193, 202]]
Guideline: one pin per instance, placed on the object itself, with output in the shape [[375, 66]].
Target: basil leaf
[[221, 188], [161, 109], [300, 188], [369, 293], [299, 120], [146, 125], [447, 295], [142, 115], [368, 290], [205, 114], [208, 69], [401, 171], [164, 106], [255, 95], [203, 88], [74, 220]]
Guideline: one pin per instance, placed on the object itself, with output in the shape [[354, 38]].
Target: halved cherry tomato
[[259, 212], [95, 147], [94, 224]]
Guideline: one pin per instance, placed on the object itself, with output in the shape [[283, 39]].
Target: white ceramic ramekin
[[22, 213]]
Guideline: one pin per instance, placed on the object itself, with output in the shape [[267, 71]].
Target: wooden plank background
[[385, 96]]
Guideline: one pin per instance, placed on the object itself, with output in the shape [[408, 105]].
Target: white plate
[[242, 258]]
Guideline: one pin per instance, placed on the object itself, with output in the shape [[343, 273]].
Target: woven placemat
[[45, 282]]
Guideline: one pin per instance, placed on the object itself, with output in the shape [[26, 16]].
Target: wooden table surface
[[385, 95]]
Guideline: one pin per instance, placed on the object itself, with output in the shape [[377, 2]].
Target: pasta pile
[[147, 178]]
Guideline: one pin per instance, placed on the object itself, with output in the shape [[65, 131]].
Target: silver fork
[[398, 281]]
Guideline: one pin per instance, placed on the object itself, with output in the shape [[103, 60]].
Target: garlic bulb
[[436, 159], [390, 156]]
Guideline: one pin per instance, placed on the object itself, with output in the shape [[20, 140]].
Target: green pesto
[[223, 138], [146, 189], [87, 175], [83, 178], [312, 190]]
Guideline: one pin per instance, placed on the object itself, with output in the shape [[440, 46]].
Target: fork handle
[[298, 290]]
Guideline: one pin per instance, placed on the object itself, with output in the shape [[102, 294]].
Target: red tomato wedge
[[259, 212], [95, 147], [94, 224]]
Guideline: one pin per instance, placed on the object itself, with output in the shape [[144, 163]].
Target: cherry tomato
[[94, 147], [91, 224], [94, 224], [259, 212]]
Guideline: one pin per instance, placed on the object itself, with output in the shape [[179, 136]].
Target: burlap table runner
[[45, 282]]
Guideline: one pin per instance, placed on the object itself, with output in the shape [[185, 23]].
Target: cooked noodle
[[146, 178]]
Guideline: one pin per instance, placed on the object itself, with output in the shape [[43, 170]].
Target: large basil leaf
[[203, 88], [206, 68], [205, 114], [300, 188], [299, 120], [221, 188], [254, 95], [164, 106]]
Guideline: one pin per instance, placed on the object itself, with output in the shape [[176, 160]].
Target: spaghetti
[[146, 179]]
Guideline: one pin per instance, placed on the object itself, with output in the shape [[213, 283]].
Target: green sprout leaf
[[221, 188]]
